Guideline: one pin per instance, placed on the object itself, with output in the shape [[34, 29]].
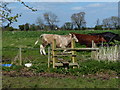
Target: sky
[[64, 11], [62, 0]]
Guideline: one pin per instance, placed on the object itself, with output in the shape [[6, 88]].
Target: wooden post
[[20, 56], [48, 57], [53, 52], [94, 54], [73, 52]]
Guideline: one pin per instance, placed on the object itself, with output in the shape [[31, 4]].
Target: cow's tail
[[36, 42], [38, 39]]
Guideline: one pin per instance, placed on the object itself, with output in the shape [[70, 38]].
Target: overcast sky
[[64, 10]]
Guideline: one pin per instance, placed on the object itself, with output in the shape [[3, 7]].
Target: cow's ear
[[71, 34]]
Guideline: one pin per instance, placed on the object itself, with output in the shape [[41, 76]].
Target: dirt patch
[[103, 75], [26, 73], [30, 74]]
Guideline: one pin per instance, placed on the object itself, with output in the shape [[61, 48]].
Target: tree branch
[[27, 5]]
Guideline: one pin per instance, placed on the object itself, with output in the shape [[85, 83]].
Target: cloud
[[95, 5], [77, 8]]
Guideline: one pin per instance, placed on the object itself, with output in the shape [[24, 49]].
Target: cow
[[62, 41], [85, 39], [108, 36]]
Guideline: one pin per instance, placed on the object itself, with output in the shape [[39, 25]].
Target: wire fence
[[24, 54], [29, 54]]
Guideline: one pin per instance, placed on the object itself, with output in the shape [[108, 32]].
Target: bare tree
[[78, 20], [51, 19], [97, 22], [111, 22], [106, 23], [68, 26], [114, 21], [40, 22]]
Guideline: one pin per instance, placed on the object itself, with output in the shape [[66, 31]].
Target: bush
[[8, 29], [99, 27]]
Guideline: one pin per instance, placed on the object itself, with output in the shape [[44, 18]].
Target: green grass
[[11, 43], [86, 67], [27, 39], [45, 82]]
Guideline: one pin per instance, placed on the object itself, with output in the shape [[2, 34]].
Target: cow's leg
[[42, 50], [41, 47], [65, 51]]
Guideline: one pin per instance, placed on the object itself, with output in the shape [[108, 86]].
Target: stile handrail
[[77, 49]]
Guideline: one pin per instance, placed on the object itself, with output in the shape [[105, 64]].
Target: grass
[[45, 82], [29, 37], [11, 43]]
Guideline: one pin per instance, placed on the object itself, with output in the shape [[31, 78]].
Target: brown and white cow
[[62, 41], [85, 39]]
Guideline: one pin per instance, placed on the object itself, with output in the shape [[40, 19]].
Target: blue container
[[6, 65]]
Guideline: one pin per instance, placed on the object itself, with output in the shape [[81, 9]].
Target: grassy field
[[16, 39], [45, 82], [91, 74]]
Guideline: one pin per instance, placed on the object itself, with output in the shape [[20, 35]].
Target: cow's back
[[49, 37], [87, 39], [61, 40]]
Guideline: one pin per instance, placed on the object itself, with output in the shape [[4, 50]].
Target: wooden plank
[[76, 49], [73, 64], [70, 64], [64, 55], [58, 64]]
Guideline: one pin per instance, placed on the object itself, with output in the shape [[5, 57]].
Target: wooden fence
[[56, 55], [53, 54]]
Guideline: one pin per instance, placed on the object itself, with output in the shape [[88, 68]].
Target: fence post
[[20, 55], [94, 54], [48, 57], [73, 52], [53, 52]]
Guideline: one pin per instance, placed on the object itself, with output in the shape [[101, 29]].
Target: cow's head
[[101, 39], [73, 36]]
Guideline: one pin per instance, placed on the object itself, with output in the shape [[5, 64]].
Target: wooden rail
[[76, 49]]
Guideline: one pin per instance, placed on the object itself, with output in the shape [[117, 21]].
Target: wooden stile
[[73, 55]]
